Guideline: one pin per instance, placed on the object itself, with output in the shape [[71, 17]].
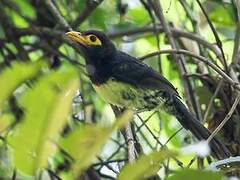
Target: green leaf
[[18, 20], [6, 120], [26, 8], [196, 175], [222, 17], [46, 106], [100, 15], [138, 16], [86, 141], [146, 166], [221, 13], [12, 77]]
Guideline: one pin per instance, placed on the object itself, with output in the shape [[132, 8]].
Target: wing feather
[[128, 69]]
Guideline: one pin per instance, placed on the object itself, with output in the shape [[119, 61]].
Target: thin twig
[[211, 101], [157, 140], [177, 33], [144, 137], [91, 6], [57, 15], [218, 41], [201, 58], [180, 59], [227, 117], [108, 165], [38, 31], [191, 161], [149, 130], [145, 121], [172, 136], [103, 163], [147, 6], [215, 166]]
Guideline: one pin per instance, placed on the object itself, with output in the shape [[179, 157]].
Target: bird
[[124, 81]]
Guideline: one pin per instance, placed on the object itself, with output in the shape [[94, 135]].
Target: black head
[[95, 44]]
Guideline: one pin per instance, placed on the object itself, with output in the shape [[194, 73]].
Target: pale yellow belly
[[128, 96], [120, 94]]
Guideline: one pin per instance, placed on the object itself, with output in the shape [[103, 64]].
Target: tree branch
[[227, 117], [91, 6], [57, 15], [201, 58]]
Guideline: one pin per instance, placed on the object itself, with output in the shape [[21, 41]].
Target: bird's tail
[[190, 122]]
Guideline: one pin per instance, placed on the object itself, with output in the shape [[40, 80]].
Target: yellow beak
[[77, 37]]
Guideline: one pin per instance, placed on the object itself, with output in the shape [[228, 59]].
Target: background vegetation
[[54, 126]]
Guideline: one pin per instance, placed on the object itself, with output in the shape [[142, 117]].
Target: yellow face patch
[[86, 40], [93, 40]]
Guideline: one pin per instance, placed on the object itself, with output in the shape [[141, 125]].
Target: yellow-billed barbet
[[124, 81]]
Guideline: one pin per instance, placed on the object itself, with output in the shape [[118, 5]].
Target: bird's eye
[[93, 38]]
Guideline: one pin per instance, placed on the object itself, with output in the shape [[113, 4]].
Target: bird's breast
[[117, 93], [129, 96]]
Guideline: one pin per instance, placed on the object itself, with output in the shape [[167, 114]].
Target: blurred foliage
[[47, 117], [196, 174], [146, 166], [92, 138], [54, 126]]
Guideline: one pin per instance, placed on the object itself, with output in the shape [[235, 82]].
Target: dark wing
[[128, 69]]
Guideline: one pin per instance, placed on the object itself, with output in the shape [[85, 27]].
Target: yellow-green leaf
[[196, 175], [6, 120], [12, 77], [86, 141], [146, 166], [46, 108]]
